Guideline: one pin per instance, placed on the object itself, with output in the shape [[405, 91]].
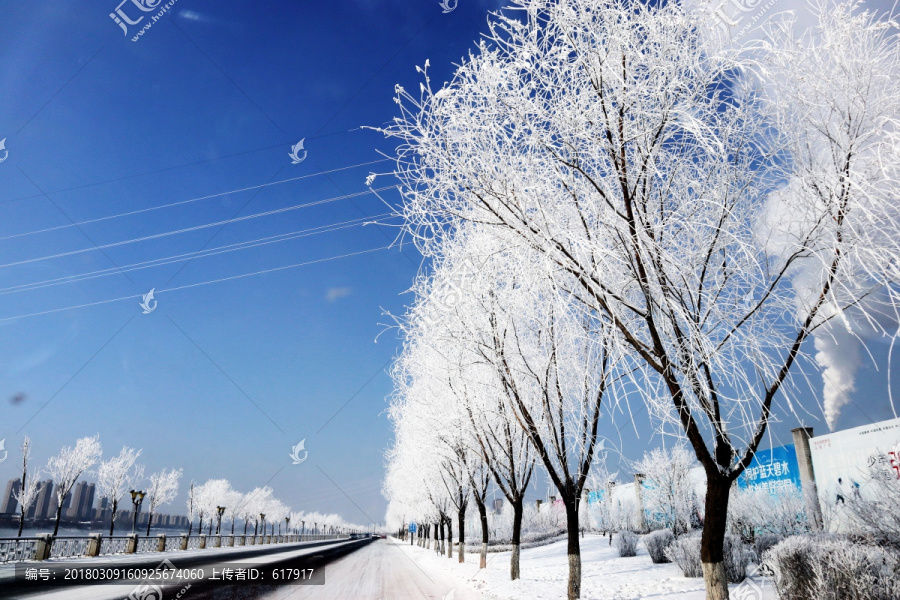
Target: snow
[[605, 575]]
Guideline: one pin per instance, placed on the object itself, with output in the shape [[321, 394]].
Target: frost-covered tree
[[162, 490], [66, 467], [209, 496], [232, 503], [667, 490], [116, 476], [714, 227], [191, 503], [28, 487], [755, 511]]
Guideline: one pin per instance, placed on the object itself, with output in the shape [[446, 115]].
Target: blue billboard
[[774, 470]]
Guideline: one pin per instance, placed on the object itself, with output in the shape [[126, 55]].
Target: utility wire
[[199, 284], [182, 202], [157, 262], [155, 236]]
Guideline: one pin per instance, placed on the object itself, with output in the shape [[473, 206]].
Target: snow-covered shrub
[[656, 544], [764, 542], [753, 512], [626, 543], [874, 511], [832, 568], [685, 552], [736, 557]]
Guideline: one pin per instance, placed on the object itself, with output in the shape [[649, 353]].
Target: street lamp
[[221, 511], [136, 498]]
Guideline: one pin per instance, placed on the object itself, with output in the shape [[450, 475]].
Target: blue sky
[[222, 378]]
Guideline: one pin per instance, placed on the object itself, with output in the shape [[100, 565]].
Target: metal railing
[[67, 547], [46, 546], [16, 549], [114, 545]]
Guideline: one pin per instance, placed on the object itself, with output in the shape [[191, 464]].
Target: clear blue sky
[[221, 379]]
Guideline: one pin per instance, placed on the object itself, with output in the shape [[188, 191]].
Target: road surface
[[381, 570], [362, 570]]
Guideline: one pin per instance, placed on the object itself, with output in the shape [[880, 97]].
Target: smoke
[[838, 353]]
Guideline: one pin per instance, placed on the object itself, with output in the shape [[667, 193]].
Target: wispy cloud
[[336, 293], [192, 15]]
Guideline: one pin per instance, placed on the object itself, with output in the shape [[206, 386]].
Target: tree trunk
[[200, 528], [443, 538], [21, 521], [712, 542], [112, 517], [58, 517], [574, 550], [149, 520], [449, 537], [482, 515], [518, 511], [190, 526], [461, 517]]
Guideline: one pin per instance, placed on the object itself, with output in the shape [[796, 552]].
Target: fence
[[46, 546]]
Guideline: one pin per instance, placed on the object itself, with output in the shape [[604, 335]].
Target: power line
[[172, 167], [182, 202], [204, 253], [155, 236], [199, 284]]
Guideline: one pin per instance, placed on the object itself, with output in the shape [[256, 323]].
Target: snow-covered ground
[[605, 575]]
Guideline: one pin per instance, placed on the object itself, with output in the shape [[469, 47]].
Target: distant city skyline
[[78, 508]]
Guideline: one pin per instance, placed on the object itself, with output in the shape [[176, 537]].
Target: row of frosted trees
[[116, 477], [626, 215], [214, 501]]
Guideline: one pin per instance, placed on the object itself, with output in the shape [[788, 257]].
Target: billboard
[[775, 469], [844, 462]]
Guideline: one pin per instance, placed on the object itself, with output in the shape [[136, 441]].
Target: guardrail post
[[43, 546], [131, 544], [93, 548], [184, 541], [231, 541], [218, 541], [202, 541], [161, 544]]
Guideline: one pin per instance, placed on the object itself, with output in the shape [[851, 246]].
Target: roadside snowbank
[[605, 575]]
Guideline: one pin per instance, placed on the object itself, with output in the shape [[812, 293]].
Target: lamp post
[[137, 498], [220, 510]]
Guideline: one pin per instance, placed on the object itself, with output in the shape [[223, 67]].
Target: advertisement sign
[[774, 470], [845, 461]]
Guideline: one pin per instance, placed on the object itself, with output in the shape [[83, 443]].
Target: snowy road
[[310, 555], [380, 571]]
